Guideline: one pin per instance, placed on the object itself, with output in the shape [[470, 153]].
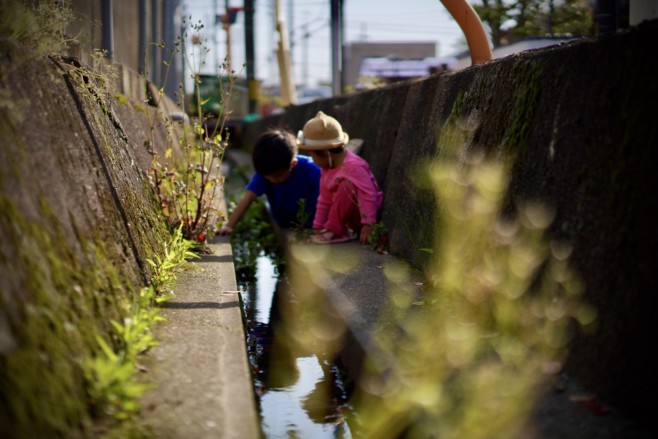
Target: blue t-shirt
[[304, 183]]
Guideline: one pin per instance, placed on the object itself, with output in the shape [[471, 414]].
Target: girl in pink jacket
[[349, 197]]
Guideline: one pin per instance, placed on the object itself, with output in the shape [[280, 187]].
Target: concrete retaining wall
[[78, 222], [579, 126]]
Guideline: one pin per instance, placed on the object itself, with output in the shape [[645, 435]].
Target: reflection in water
[[300, 394]]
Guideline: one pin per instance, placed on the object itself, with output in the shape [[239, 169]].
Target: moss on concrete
[[76, 217], [527, 93], [67, 299]]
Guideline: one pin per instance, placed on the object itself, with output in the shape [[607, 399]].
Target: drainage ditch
[[299, 394]]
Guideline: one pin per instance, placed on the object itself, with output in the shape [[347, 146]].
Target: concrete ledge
[[359, 297], [204, 384], [356, 292]]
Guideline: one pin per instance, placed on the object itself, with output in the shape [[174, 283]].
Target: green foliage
[[573, 17], [39, 25], [121, 98], [469, 358], [189, 191], [188, 184], [527, 95], [175, 255], [468, 352], [567, 17], [78, 321], [67, 295], [301, 218], [113, 387], [511, 19], [379, 237]]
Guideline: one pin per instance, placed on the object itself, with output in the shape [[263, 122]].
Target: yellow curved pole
[[470, 24]]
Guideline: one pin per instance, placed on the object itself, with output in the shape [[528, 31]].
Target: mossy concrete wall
[[579, 124], [78, 222]]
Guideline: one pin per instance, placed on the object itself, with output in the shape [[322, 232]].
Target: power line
[[399, 28]]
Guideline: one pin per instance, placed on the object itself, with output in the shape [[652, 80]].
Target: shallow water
[[299, 395]]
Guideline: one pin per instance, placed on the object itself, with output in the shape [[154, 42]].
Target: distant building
[[390, 70], [354, 54], [367, 67]]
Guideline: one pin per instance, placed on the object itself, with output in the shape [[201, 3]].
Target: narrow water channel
[[299, 396]]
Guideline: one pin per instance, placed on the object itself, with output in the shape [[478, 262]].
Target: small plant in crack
[[187, 175]]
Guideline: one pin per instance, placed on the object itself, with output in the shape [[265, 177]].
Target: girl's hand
[[226, 230], [364, 235]]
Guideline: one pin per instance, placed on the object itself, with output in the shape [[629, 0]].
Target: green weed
[[469, 354], [175, 255], [301, 217], [39, 25], [379, 237], [114, 389], [491, 328], [188, 183]]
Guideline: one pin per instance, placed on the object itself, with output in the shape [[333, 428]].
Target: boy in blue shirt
[[284, 177]]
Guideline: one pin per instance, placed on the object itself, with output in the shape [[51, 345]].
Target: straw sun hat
[[321, 132]]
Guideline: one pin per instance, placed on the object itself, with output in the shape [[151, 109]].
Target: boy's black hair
[[274, 151]]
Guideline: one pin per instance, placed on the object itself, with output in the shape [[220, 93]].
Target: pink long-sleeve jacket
[[358, 173]]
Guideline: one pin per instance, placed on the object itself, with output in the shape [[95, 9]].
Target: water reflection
[[300, 394]]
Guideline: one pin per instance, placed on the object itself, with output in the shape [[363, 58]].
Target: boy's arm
[[242, 206]]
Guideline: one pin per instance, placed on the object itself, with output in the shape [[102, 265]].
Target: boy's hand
[[226, 230], [364, 236]]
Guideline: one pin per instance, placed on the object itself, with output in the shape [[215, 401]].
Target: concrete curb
[[357, 293], [204, 383]]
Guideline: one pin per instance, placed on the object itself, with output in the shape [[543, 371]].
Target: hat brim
[[306, 147]]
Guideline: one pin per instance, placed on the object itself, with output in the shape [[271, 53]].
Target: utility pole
[[215, 49], [183, 29], [155, 36], [336, 45], [227, 20], [108, 29], [288, 91], [142, 37], [227, 28], [291, 26], [305, 36], [214, 37], [252, 84], [551, 14]]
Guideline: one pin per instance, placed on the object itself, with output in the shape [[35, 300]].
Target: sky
[[364, 20]]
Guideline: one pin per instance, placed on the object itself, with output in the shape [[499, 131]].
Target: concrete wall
[[579, 125], [78, 221], [157, 24]]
